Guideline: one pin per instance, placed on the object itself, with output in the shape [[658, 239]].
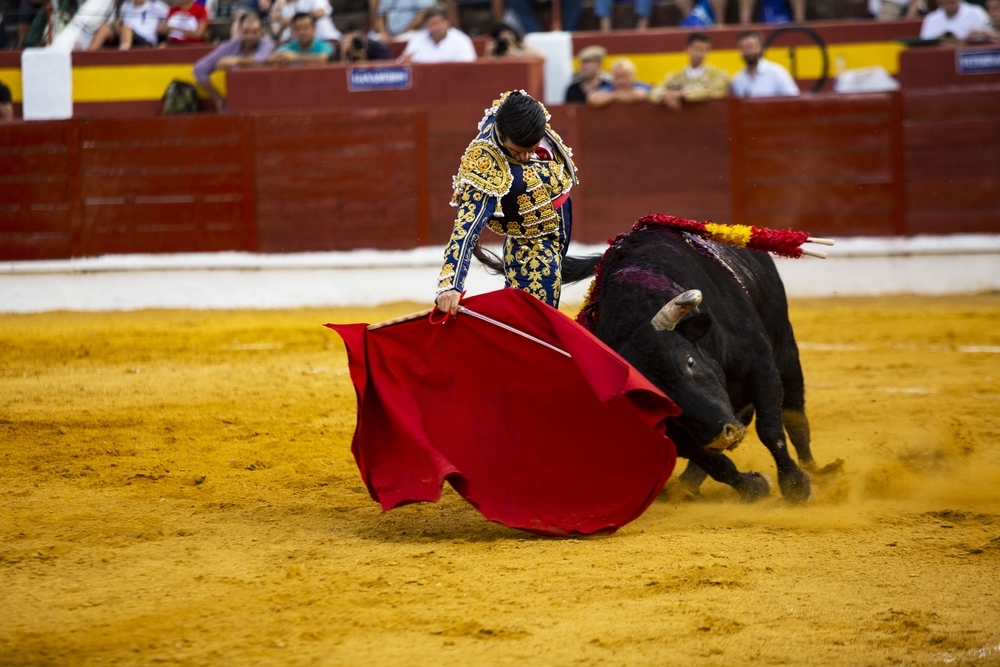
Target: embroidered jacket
[[713, 84], [494, 190]]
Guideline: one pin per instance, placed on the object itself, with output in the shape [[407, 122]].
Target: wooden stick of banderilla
[[816, 253], [398, 320]]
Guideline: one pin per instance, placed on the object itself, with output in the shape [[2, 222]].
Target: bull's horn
[[676, 309]]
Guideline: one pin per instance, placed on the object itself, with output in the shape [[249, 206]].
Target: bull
[[708, 325]]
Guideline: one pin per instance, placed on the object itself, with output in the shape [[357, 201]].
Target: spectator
[[590, 75], [761, 77], [506, 43], [993, 11], [27, 11], [6, 103], [261, 8], [187, 23], [251, 48], [356, 47], [306, 48], [136, 25], [697, 82], [398, 19], [956, 20], [439, 42], [605, 9], [706, 13], [623, 87], [283, 11], [524, 10], [894, 10]]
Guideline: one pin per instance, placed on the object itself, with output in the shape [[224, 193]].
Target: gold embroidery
[[534, 265], [483, 168]]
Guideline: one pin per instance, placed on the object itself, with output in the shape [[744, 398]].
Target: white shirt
[[325, 29], [770, 80], [966, 19], [144, 18], [456, 47]]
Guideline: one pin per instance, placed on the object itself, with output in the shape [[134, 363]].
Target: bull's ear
[[695, 326]]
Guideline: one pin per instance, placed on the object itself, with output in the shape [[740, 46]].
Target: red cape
[[533, 439]]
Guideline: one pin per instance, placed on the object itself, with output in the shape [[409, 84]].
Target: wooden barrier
[[922, 161], [450, 96], [180, 184], [73, 188], [39, 190], [952, 147], [831, 165], [272, 89], [638, 159], [341, 181], [937, 67]]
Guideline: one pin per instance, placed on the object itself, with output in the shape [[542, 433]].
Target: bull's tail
[[574, 269], [490, 259]]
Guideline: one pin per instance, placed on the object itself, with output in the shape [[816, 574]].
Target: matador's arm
[[474, 210]]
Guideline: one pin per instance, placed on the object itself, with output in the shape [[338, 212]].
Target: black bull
[[721, 356]]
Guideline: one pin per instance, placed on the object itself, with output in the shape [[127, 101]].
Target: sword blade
[[511, 329]]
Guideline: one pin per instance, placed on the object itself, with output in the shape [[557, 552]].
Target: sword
[[480, 316], [511, 329]]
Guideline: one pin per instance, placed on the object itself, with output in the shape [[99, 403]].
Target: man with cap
[[590, 75], [514, 178]]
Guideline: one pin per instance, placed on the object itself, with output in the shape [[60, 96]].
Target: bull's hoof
[[795, 486], [753, 486]]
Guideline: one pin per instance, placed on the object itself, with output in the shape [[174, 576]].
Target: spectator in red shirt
[[187, 23]]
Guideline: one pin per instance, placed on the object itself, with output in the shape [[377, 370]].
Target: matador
[[515, 178]]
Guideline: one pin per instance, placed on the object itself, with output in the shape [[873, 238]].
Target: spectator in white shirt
[[954, 19], [761, 77], [439, 42], [135, 26], [282, 12]]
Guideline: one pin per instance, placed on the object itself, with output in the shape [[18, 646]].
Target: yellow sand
[[177, 487]]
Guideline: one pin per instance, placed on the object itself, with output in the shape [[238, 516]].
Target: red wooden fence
[[926, 161], [340, 181], [829, 164], [39, 190], [166, 185], [952, 159]]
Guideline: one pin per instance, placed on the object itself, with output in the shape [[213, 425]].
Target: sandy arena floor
[[177, 487]]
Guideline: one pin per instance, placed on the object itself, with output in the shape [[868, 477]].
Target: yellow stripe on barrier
[[127, 83], [12, 79], [132, 83], [654, 67]]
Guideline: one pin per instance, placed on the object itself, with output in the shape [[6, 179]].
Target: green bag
[[181, 97]]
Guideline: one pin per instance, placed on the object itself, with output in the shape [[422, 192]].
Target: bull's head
[[669, 355]]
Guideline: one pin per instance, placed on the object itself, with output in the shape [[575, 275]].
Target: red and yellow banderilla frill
[[783, 242]]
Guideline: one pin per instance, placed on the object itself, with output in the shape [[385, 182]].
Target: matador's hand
[[447, 302]]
